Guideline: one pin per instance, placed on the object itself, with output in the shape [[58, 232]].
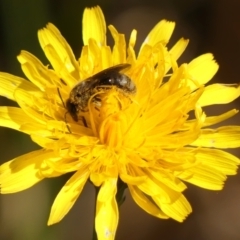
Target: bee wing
[[93, 81], [109, 71]]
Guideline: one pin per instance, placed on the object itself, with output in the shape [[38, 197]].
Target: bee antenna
[[65, 115], [60, 96], [65, 118]]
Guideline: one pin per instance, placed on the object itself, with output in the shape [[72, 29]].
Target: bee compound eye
[[132, 86], [124, 80]]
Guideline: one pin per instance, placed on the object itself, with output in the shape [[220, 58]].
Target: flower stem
[[94, 233], [121, 186]]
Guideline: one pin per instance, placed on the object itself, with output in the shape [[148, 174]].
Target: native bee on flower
[[82, 92]]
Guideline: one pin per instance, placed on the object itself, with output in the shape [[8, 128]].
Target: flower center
[[108, 118]]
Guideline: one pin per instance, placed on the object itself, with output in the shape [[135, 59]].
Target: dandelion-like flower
[[153, 139]]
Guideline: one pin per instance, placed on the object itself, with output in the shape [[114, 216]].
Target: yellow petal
[[168, 179], [16, 118], [119, 52], [133, 38], [13, 117], [146, 203], [154, 188], [94, 25], [28, 101], [174, 53], [222, 161], [9, 83], [223, 137], [106, 57], [219, 94], [67, 196], [203, 68], [179, 47], [177, 210], [132, 180], [42, 141], [160, 33], [220, 118], [36, 72], [172, 141], [106, 220], [58, 52], [22, 172], [203, 176]]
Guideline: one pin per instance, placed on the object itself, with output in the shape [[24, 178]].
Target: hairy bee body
[[82, 92]]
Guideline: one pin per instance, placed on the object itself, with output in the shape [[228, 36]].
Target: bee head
[[72, 109]]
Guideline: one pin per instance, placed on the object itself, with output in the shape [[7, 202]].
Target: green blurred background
[[212, 26]]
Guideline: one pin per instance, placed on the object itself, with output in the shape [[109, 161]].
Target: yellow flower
[[154, 140]]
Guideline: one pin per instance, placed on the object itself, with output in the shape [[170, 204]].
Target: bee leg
[[61, 98], [84, 121], [63, 82], [65, 118]]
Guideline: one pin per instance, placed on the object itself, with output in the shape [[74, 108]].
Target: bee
[[82, 92]]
